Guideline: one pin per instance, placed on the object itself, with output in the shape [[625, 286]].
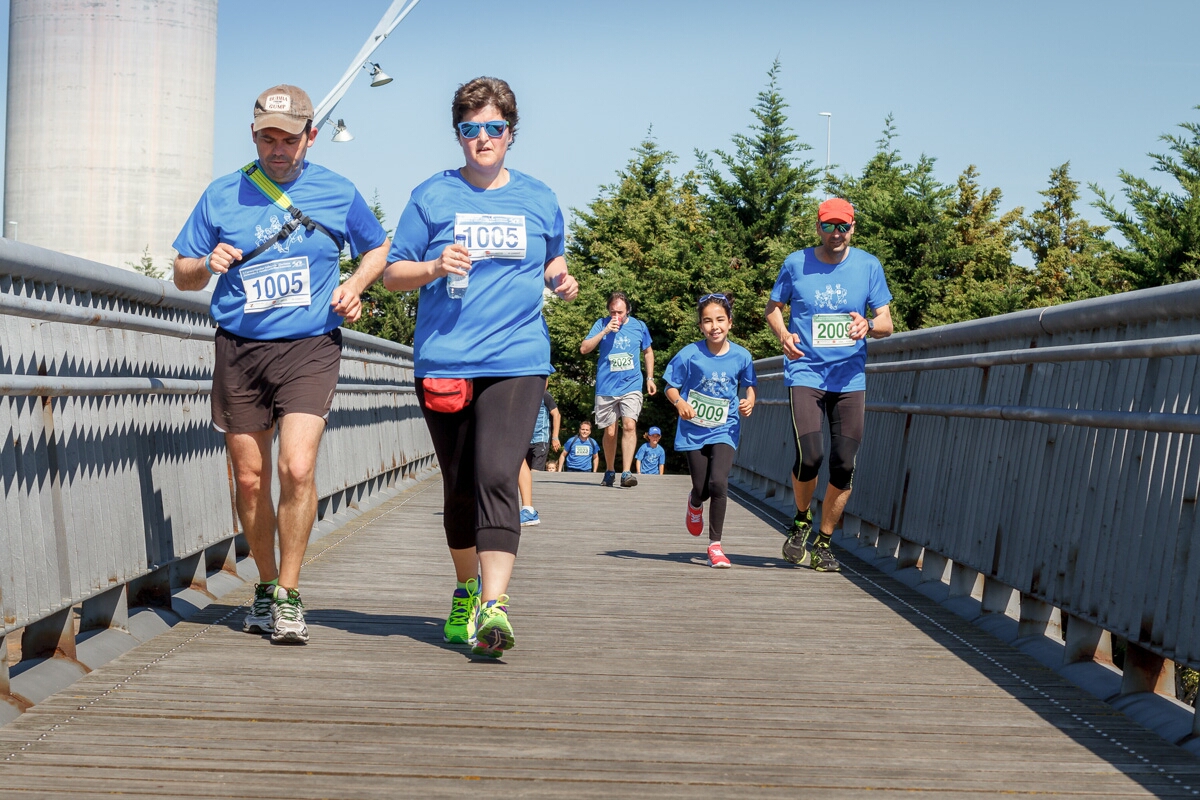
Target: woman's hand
[[454, 259]]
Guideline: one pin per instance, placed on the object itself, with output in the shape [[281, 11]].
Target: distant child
[[581, 453], [651, 459], [551, 466], [702, 383]]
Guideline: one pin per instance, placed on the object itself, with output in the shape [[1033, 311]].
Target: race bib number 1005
[[492, 235], [276, 284]]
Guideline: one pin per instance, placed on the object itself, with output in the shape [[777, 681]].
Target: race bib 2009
[[276, 284], [620, 362], [492, 235], [711, 412], [831, 330]]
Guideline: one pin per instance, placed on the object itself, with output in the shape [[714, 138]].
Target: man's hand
[[651, 387], [347, 302], [790, 343], [858, 326], [223, 257]]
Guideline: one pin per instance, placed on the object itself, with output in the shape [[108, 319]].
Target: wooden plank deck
[[639, 672]]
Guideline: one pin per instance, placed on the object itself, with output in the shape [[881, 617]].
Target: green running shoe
[[460, 625], [823, 559], [493, 632], [796, 546]]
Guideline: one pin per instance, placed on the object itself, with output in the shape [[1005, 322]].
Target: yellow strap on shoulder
[[267, 186]]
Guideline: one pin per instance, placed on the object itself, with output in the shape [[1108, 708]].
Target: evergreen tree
[[388, 315], [1162, 228], [1072, 259]]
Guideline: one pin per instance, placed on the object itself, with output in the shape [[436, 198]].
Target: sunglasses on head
[[840, 227], [718, 296], [470, 130]]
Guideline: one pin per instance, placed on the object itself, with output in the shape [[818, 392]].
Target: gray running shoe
[[796, 546], [259, 619], [628, 480], [823, 559], [287, 616]]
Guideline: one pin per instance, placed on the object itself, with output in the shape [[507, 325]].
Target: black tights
[[480, 450], [710, 467]]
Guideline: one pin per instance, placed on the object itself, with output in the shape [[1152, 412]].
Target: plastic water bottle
[[456, 285]]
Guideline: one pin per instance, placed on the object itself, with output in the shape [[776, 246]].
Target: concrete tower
[[110, 124]]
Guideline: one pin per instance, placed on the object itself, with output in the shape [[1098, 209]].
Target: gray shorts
[[609, 407]]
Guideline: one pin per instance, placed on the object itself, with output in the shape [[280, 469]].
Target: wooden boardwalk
[[639, 672]]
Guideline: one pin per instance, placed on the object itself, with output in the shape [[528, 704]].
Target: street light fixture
[[340, 134], [378, 76]]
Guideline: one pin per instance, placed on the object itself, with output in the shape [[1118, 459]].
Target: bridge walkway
[[639, 672]]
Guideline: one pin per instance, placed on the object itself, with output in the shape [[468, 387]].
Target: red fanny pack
[[447, 395]]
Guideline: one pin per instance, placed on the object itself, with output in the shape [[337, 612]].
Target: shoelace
[[460, 610], [290, 608]]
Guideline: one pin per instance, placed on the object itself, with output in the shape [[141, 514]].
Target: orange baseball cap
[[835, 209]]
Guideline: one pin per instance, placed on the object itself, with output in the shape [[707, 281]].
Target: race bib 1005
[[711, 412], [831, 330], [492, 235], [276, 284], [620, 362]]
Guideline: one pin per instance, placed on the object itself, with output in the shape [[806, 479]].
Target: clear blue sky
[[1015, 88]]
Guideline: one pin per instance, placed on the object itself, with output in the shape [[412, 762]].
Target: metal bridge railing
[[1040, 463], [117, 491]]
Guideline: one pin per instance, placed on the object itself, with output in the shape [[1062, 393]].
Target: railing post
[[1038, 618], [5, 686], [997, 596], [1147, 672], [1086, 642], [221, 556], [189, 573], [109, 609], [933, 566], [908, 554], [51, 636], [964, 581]]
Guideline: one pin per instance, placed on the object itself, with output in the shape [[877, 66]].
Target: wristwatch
[[871, 324]]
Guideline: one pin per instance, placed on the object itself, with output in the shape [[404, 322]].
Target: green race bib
[[831, 330], [620, 362], [711, 412]]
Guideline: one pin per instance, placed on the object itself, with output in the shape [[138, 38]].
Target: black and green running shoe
[[823, 559], [797, 537]]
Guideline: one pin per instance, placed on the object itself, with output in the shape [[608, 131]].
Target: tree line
[[726, 224]]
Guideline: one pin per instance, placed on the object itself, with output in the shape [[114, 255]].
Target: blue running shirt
[[285, 292], [541, 427], [619, 370], [710, 383], [497, 329], [651, 458], [580, 452], [821, 297]]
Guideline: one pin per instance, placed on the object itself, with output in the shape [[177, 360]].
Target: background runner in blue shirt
[[581, 453], [619, 338], [829, 289], [702, 383], [651, 457]]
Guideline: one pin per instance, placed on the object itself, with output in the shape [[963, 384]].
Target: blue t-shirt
[[284, 293], [541, 427], [619, 370], [651, 458], [814, 288], [580, 452], [497, 329], [710, 383]]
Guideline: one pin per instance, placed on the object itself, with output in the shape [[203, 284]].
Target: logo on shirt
[[622, 342], [714, 384], [833, 298], [262, 234]]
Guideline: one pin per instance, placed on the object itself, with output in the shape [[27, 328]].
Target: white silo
[[110, 124]]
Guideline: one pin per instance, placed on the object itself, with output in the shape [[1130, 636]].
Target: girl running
[[710, 373]]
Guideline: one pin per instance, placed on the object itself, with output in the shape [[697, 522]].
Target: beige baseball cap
[[285, 107]]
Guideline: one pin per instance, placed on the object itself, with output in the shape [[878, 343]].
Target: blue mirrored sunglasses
[[470, 130], [840, 227]]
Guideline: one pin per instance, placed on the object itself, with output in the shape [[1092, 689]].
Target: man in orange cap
[[829, 290]]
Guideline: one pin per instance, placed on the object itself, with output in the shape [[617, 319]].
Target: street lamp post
[[828, 115]]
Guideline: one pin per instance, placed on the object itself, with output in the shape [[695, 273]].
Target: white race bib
[[620, 362], [711, 412], [581, 450], [276, 284], [492, 235], [831, 330]]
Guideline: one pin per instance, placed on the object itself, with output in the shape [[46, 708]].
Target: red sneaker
[[716, 558], [694, 519]]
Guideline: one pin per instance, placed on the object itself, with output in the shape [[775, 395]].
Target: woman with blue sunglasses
[[481, 351]]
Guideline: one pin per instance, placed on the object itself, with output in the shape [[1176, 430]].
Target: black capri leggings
[[710, 467], [846, 412], [480, 450]]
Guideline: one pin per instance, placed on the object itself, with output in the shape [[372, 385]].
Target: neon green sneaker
[[494, 633], [464, 605], [796, 546]]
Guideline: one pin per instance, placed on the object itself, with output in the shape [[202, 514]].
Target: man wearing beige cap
[[829, 289], [272, 233]]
